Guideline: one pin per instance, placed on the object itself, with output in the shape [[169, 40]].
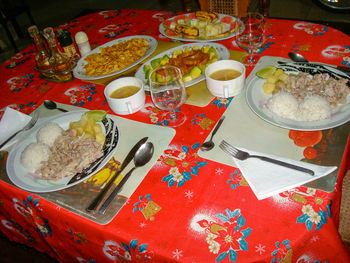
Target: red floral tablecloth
[[187, 209]]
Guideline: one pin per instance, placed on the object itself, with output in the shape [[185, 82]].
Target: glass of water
[[250, 35], [168, 93]]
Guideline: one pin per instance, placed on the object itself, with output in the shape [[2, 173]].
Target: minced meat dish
[[69, 155]]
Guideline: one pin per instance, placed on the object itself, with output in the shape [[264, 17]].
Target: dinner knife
[[93, 205]]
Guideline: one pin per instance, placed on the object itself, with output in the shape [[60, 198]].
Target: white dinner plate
[[19, 175], [79, 71], [221, 50], [257, 100], [222, 18]]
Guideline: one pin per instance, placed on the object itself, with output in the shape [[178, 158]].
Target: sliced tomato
[[192, 16], [170, 32], [179, 17], [167, 23], [232, 25], [226, 20]]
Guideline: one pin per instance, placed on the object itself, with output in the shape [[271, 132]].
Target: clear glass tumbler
[[250, 35], [168, 93]]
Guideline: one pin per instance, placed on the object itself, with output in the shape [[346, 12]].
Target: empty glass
[[250, 35], [168, 93]]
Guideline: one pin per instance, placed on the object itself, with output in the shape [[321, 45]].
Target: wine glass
[[250, 35], [168, 93]]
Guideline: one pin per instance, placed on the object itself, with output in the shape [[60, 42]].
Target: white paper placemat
[[77, 198], [243, 128]]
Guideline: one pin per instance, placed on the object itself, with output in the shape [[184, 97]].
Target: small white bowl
[[128, 105], [225, 88]]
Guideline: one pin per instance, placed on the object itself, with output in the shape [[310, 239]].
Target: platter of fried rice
[[114, 57]]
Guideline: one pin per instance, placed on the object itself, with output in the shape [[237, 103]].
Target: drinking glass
[[250, 34], [168, 93]]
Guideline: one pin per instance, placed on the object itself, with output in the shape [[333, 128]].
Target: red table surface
[[209, 215]]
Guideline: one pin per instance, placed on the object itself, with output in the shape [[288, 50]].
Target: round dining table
[[185, 205]]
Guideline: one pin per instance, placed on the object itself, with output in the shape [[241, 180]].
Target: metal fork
[[29, 125], [242, 155]]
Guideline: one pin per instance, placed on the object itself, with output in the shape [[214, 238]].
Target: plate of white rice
[[284, 110], [35, 148]]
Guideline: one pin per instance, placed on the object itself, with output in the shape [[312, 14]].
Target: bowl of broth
[[124, 92], [225, 78], [125, 95]]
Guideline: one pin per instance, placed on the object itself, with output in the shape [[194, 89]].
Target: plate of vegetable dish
[[192, 59], [200, 26]]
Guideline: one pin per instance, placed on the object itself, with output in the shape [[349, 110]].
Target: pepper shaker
[[66, 42]]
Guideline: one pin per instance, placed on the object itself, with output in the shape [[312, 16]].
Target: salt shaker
[[83, 43]]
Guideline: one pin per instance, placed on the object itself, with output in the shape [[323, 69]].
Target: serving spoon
[[296, 57], [51, 105], [208, 145], [142, 156]]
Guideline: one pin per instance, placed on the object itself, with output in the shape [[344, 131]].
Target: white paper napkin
[[11, 122], [267, 179]]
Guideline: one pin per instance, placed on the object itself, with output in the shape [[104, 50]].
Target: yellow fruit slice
[[268, 88], [96, 115], [265, 72]]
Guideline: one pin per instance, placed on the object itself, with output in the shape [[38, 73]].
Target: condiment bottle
[[66, 42], [42, 57], [59, 61], [83, 43]]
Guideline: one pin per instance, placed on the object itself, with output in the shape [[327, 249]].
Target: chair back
[[228, 7]]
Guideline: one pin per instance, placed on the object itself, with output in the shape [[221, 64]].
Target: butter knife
[[93, 205]]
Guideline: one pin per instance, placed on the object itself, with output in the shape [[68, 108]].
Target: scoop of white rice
[[33, 155], [314, 108], [284, 105], [49, 133], [311, 108]]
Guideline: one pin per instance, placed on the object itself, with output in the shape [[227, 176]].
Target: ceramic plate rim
[[224, 53], [13, 155], [78, 70]]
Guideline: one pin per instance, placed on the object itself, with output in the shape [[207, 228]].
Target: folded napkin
[[267, 179], [11, 122]]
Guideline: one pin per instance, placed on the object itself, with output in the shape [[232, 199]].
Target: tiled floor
[[53, 13], [11, 252]]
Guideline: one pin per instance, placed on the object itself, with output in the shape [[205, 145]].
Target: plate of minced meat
[[300, 98], [54, 152]]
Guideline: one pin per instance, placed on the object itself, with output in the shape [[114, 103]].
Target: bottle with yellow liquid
[[60, 62], [42, 57]]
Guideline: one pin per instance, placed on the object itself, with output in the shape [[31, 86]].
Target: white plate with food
[[192, 27], [294, 108], [33, 148], [102, 62], [204, 53]]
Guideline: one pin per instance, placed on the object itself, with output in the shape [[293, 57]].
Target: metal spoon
[[51, 105], [143, 155], [208, 145], [28, 126], [296, 57]]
